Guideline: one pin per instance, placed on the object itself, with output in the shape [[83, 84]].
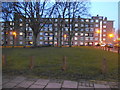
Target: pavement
[[25, 83]]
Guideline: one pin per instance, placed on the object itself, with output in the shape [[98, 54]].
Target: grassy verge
[[82, 62]]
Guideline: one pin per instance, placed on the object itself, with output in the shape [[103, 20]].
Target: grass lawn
[[82, 63]]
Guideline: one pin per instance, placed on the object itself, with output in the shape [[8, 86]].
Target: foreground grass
[[82, 63]]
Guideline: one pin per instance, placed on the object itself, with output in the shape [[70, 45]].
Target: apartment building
[[85, 31]]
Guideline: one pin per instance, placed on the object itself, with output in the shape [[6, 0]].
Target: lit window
[[20, 24], [104, 35], [46, 42], [50, 29], [41, 33], [10, 33], [50, 38], [26, 25], [55, 43], [76, 25], [51, 43], [87, 20], [76, 34], [81, 43], [66, 20], [90, 43], [104, 39], [46, 34], [21, 33], [86, 25], [76, 38], [11, 29], [41, 38], [96, 20], [11, 23], [30, 29], [104, 26], [75, 43], [86, 34], [96, 43], [21, 42], [56, 33], [41, 42], [66, 29], [81, 34], [56, 20]]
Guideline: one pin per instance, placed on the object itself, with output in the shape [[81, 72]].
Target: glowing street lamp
[[14, 33], [98, 31], [65, 35], [111, 35]]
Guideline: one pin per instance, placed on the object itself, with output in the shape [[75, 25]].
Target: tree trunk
[[35, 41]]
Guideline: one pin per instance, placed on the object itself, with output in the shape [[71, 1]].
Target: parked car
[[109, 45]]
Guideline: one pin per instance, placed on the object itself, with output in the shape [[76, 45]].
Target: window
[[91, 34], [82, 25], [30, 38], [86, 25], [46, 34], [46, 38], [82, 20], [50, 29], [55, 24], [66, 20], [21, 33], [104, 26], [41, 42], [104, 39], [87, 20], [41, 33], [96, 20], [21, 42], [86, 38], [76, 25], [96, 25], [81, 38], [104, 35], [81, 34], [76, 34], [76, 38], [56, 20], [91, 29], [91, 20], [81, 43], [10, 28], [30, 29], [20, 24], [66, 29], [11, 42], [86, 34], [50, 38], [46, 42], [75, 43], [104, 22], [20, 37], [76, 29], [91, 38], [96, 38], [96, 34], [55, 33], [87, 29], [41, 38], [10, 33], [27, 25], [51, 34], [81, 29], [11, 23], [29, 33], [104, 30]]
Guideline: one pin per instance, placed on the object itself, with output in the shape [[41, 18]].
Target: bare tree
[[33, 12], [7, 15]]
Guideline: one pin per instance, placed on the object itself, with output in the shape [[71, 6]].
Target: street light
[[98, 31], [111, 35], [14, 33]]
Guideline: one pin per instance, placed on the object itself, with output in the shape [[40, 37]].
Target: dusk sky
[[106, 9]]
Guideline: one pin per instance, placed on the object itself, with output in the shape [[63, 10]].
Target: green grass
[[82, 62]]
